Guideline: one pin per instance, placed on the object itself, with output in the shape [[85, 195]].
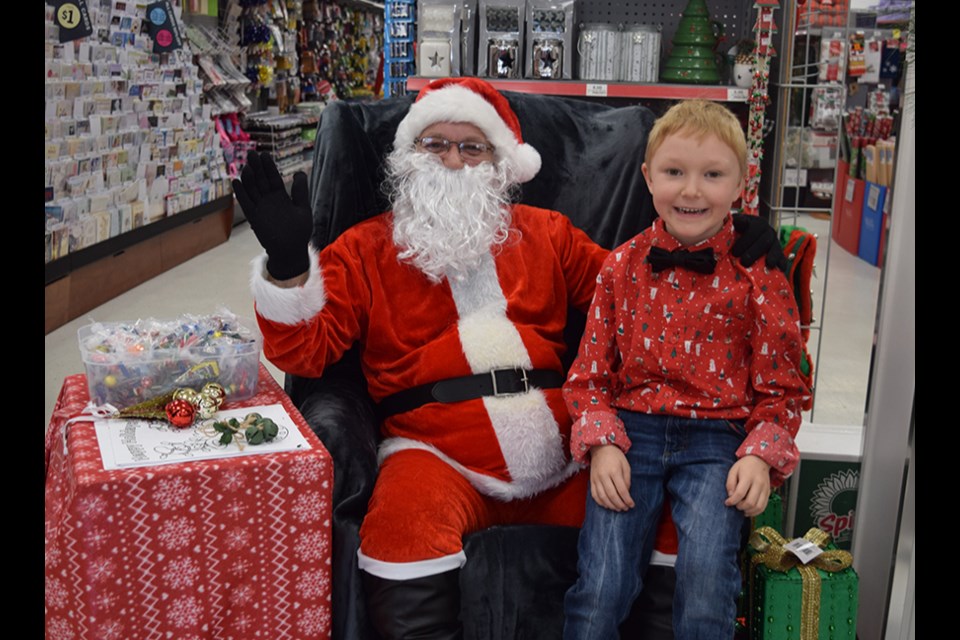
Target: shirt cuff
[[774, 445], [596, 428], [292, 305]]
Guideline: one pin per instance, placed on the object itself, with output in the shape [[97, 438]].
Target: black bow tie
[[701, 260]]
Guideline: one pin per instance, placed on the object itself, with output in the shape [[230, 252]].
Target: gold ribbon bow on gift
[[770, 551]]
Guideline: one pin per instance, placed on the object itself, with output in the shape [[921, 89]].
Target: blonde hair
[[699, 119]]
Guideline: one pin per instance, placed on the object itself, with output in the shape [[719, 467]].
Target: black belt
[[500, 382]]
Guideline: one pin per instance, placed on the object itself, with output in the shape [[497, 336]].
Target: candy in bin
[[131, 362]]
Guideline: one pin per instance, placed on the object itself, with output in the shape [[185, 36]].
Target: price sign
[[597, 90], [73, 18]]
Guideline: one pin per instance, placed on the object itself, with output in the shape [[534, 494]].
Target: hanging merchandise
[[763, 28], [550, 33], [501, 38], [857, 60], [341, 48], [438, 38], [826, 107], [255, 38], [693, 58], [871, 52], [833, 57], [599, 49]]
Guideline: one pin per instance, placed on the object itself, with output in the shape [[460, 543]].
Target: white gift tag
[[803, 549]]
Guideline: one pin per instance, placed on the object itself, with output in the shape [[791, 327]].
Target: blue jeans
[[688, 460]]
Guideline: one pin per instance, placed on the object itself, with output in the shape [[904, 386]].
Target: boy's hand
[[748, 485], [610, 478]]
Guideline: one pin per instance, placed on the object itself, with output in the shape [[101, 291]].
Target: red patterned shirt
[[722, 345]]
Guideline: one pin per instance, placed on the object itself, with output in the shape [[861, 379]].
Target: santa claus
[[458, 297]]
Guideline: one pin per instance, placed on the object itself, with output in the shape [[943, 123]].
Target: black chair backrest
[[591, 155]]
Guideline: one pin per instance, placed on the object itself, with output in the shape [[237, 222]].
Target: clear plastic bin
[[130, 362]]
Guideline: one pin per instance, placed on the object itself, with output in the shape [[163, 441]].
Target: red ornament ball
[[180, 413]]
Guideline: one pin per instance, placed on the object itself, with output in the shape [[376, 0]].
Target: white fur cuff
[[288, 306]]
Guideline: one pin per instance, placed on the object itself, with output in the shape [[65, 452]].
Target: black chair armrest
[[340, 411]]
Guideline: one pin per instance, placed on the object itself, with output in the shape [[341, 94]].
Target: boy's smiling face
[[693, 183]]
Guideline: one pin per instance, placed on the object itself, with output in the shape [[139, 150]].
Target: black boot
[[425, 608]]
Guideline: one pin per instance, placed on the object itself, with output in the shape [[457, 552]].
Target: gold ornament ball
[[208, 407], [214, 390], [187, 394]]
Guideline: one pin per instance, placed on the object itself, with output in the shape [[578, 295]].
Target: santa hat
[[476, 102]]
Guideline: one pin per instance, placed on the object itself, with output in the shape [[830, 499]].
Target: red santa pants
[[422, 507]]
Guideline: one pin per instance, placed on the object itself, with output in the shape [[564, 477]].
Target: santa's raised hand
[[282, 223]]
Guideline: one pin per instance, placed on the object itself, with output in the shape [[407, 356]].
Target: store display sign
[[73, 18], [163, 27]]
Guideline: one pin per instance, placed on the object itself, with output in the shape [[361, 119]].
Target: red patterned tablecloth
[[230, 549]]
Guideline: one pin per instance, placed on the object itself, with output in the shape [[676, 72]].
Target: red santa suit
[[509, 313], [449, 469]]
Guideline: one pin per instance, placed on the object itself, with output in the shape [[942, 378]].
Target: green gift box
[[772, 516], [792, 601]]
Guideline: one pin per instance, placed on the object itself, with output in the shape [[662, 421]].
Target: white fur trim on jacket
[[459, 104], [487, 485], [410, 570], [288, 306]]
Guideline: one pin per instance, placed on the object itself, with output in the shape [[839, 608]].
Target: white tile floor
[[219, 277]]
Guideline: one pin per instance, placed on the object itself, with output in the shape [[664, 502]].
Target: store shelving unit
[[399, 38], [601, 89], [135, 179], [802, 168], [787, 199]]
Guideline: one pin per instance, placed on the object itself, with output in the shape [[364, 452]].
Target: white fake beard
[[446, 220]]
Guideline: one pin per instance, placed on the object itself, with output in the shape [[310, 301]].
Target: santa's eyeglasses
[[467, 148]]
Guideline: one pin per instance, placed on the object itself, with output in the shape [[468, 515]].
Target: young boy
[[687, 384]]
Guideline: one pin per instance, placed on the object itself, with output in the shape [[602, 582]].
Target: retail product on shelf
[[501, 38], [640, 53], [692, 59], [288, 138], [551, 26], [439, 27], [599, 47], [128, 140]]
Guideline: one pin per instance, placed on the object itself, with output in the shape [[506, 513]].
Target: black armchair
[[515, 577]]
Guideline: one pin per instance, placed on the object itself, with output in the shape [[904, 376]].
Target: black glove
[[756, 238], [282, 224]]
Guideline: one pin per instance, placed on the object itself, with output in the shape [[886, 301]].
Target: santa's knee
[[411, 578]]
